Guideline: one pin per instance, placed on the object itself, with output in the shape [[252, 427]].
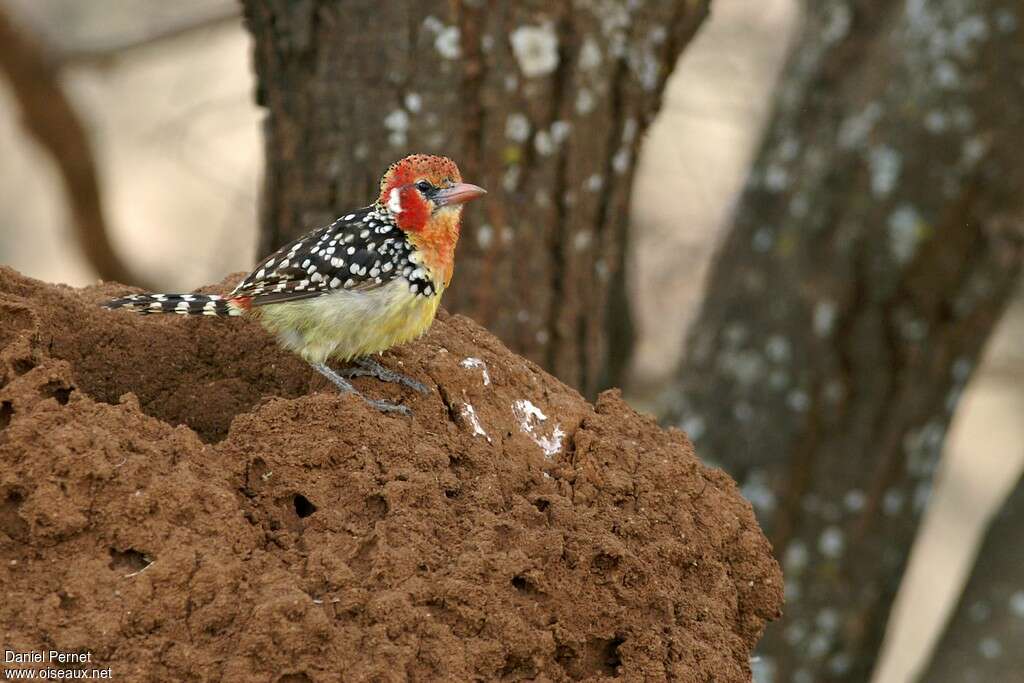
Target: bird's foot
[[367, 367], [388, 407], [346, 388]]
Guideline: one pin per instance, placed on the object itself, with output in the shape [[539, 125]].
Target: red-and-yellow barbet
[[370, 280]]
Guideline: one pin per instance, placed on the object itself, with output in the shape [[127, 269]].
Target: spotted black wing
[[360, 251]]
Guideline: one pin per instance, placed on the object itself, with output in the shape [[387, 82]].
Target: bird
[[369, 281]]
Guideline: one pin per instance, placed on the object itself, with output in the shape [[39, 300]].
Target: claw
[[337, 380], [389, 407], [367, 367], [346, 388]]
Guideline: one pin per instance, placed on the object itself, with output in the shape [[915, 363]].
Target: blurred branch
[[49, 117], [113, 46], [982, 640], [875, 245]]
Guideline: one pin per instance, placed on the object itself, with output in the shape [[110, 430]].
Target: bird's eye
[[424, 187]]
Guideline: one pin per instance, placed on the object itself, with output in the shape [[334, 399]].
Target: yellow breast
[[349, 324]]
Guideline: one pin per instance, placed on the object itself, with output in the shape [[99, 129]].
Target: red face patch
[[415, 209], [403, 175]]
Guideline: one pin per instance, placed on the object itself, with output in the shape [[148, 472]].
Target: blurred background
[[164, 95]]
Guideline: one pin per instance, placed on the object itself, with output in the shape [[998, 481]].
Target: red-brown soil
[[187, 502]]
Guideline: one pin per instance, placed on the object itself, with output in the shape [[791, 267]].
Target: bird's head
[[425, 193]]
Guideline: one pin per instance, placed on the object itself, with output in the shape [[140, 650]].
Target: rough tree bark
[[982, 641], [872, 252], [542, 103]]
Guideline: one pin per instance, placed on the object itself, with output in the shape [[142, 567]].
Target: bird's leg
[[346, 388], [368, 367]]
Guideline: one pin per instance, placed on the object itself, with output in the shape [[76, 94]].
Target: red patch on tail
[[242, 302]]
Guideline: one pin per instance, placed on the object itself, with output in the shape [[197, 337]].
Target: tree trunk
[[542, 103], [982, 641], [873, 250]]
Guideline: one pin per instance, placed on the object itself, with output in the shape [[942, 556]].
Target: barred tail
[[182, 304]]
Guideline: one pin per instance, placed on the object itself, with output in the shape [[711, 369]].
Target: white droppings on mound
[[530, 418]]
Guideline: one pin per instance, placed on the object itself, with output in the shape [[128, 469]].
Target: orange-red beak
[[460, 193]]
